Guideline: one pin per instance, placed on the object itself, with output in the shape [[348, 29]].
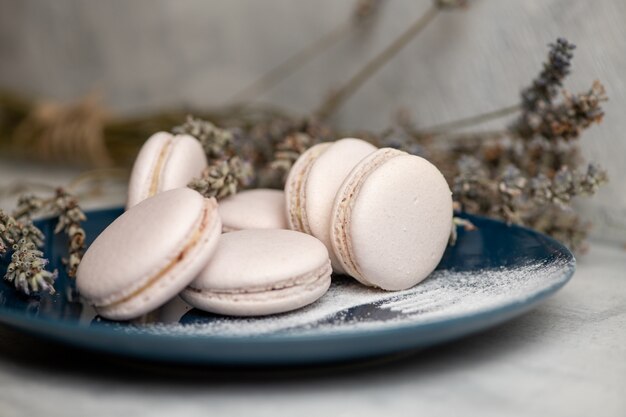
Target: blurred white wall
[[149, 54]]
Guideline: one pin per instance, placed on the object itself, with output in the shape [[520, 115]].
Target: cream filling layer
[[261, 293], [343, 214], [206, 221], [155, 177]]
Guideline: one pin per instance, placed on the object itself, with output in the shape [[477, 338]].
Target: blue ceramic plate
[[491, 275]]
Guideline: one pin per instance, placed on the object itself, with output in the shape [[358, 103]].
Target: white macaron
[[260, 272], [164, 162], [149, 254], [254, 209], [312, 185], [391, 220]]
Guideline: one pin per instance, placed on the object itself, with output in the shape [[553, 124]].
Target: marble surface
[[566, 358]]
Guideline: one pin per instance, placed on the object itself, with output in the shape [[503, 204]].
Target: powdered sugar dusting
[[349, 306]]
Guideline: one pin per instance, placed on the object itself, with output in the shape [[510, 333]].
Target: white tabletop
[[566, 358]]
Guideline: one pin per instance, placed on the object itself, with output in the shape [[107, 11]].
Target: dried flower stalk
[[568, 119], [524, 176], [456, 223], [65, 206], [546, 86], [217, 143], [533, 202], [223, 178], [27, 269], [289, 150]]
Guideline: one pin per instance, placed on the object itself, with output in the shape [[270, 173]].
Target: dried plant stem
[[446, 127], [97, 176], [338, 97], [292, 64], [21, 187], [94, 178]]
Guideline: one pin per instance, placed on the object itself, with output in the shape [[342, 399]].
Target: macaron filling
[[341, 242], [310, 280], [158, 168], [205, 223]]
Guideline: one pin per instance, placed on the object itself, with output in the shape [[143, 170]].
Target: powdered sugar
[[349, 306]]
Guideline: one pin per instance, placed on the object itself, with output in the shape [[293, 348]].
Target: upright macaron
[[312, 185], [149, 254], [260, 272], [164, 162], [391, 220], [260, 208]]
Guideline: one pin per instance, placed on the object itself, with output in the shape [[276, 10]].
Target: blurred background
[[147, 55]]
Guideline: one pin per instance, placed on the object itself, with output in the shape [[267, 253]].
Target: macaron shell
[[324, 179], [260, 258], [164, 162], [262, 271], [186, 161], [400, 222], [254, 209], [295, 197], [144, 166], [343, 204], [261, 303], [145, 242]]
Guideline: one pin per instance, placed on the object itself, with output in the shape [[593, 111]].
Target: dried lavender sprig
[[12, 231], [31, 233], [546, 86], [564, 225], [511, 189], [532, 201], [217, 143], [223, 178], [9, 232], [521, 198], [566, 185], [536, 99], [70, 217], [27, 270], [576, 113], [456, 223], [289, 150], [472, 187], [27, 205]]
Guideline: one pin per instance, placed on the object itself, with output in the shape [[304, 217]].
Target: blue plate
[[490, 276]]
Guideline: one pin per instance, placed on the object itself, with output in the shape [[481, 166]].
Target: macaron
[[312, 185], [391, 220], [164, 162], [254, 209], [149, 254], [258, 272]]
